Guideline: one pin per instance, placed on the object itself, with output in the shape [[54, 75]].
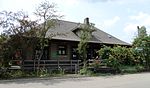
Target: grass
[[102, 74], [132, 69], [60, 73]]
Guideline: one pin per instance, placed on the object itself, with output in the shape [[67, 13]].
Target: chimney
[[86, 21], [138, 27]]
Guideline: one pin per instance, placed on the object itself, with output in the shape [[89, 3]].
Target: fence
[[68, 65]]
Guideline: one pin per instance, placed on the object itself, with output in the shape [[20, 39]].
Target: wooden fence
[[67, 65]]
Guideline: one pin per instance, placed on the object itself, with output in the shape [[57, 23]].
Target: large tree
[[142, 45], [19, 26], [85, 36]]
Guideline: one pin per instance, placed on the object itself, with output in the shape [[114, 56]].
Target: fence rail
[[69, 65]]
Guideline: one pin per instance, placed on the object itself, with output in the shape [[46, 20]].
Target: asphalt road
[[119, 81]]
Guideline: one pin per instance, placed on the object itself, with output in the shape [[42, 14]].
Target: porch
[[71, 66], [59, 54]]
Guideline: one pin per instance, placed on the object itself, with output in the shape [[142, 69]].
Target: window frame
[[61, 50]]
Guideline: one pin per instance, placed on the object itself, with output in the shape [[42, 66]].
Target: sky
[[119, 18]]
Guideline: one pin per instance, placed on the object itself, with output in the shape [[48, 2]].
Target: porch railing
[[68, 65]]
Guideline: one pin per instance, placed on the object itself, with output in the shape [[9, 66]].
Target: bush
[[123, 55], [17, 74], [43, 72], [6, 75], [132, 69], [140, 68], [85, 71], [104, 52], [117, 55], [95, 64], [113, 62], [129, 69]]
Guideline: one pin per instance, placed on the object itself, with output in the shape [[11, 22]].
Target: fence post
[[44, 64], [78, 65], [75, 68], [71, 65], [22, 65], [34, 65], [57, 64]]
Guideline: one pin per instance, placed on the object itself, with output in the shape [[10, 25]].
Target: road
[[141, 80]]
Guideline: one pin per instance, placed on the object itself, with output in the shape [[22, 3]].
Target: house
[[63, 46]]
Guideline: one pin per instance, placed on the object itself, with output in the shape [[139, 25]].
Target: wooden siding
[[54, 50]]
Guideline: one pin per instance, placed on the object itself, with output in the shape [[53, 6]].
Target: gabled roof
[[65, 29]]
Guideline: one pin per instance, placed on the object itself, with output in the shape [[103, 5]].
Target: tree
[[25, 31], [4, 52], [141, 31], [47, 14], [16, 25], [85, 36], [142, 45]]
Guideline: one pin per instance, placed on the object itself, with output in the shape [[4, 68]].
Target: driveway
[[119, 81]]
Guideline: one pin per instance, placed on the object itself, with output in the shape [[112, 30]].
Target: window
[[62, 50]]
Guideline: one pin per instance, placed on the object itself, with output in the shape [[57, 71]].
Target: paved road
[[120, 81]]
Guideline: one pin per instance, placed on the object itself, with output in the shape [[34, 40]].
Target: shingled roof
[[64, 29]]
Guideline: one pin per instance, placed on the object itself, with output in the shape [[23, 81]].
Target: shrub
[[122, 55], [113, 62], [12, 74], [85, 71], [104, 52], [4, 74], [17, 74], [43, 72], [140, 68], [95, 64], [128, 69]]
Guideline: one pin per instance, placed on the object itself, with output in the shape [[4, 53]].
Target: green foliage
[[142, 32], [132, 69], [123, 55], [104, 52], [4, 74], [12, 74], [43, 72], [129, 69], [95, 64], [85, 71], [129, 60], [85, 36], [140, 68], [23, 31], [17, 74], [141, 44], [117, 54], [4, 51], [117, 57], [113, 62], [134, 58]]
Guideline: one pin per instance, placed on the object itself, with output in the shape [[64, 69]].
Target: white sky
[[119, 18]]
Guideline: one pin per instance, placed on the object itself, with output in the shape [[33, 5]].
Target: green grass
[[132, 69]]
